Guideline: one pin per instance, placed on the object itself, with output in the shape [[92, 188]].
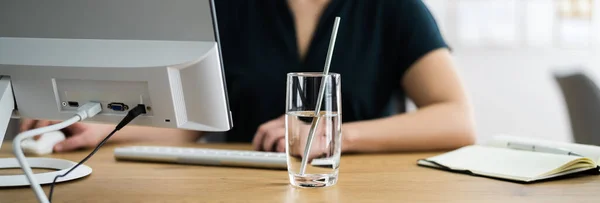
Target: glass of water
[[315, 164]]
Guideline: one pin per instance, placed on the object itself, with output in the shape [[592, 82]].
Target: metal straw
[[317, 117]]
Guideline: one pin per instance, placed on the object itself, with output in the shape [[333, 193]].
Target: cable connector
[[132, 114], [93, 110], [89, 110]]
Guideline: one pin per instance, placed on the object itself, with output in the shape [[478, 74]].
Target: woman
[[385, 49]]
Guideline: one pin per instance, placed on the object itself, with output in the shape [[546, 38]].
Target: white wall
[[512, 87], [513, 91]]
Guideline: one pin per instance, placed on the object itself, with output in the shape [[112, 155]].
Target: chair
[[582, 97]]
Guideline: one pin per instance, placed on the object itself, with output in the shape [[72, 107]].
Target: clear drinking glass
[[321, 167]]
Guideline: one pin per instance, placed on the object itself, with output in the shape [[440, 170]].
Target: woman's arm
[[443, 120], [151, 134], [88, 135]]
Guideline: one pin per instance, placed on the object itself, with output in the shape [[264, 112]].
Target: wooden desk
[[363, 178]]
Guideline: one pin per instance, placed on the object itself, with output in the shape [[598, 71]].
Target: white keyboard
[[215, 157], [203, 156]]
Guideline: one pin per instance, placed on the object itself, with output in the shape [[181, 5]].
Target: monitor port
[[117, 106]]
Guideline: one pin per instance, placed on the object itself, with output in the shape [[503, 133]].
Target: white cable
[[41, 196], [85, 111]]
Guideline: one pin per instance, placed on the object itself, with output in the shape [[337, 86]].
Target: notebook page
[[590, 151], [524, 165]]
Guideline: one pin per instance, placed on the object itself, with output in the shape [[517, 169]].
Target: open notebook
[[496, 160]]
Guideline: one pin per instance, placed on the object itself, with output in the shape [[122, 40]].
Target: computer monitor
[[181, 83]]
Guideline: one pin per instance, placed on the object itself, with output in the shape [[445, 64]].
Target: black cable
[[132, 114]]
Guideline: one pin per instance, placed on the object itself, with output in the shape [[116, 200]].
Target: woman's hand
[[79, 135], [271, 137]]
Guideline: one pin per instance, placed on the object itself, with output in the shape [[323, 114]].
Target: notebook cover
[[592, 171]]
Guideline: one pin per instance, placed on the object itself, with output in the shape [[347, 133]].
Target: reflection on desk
[[363, 178]]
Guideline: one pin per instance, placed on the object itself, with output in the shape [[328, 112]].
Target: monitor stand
[[7, 105], [6, 110], [61, 165]]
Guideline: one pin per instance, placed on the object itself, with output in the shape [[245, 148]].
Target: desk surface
[[363, 178]]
